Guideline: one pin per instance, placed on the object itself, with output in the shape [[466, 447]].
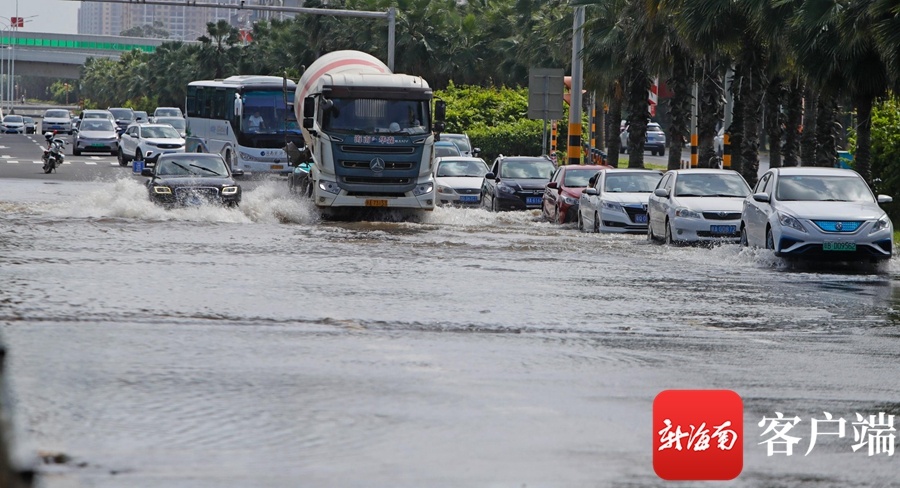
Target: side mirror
[[490, 176], [591, 191], [885, 199], [761, 197], [440, 110], [661, 192], [476, 151], [237, 172], [553, 185]]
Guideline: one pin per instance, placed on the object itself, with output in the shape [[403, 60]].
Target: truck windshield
[[264, 112], [376, 116]]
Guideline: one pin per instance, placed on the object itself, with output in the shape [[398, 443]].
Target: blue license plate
[[533, 200], [468, 198], [640, 218], [722, 229]]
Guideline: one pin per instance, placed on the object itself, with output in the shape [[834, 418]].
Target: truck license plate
[[376, 203]]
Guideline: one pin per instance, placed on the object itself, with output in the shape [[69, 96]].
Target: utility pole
[[574, 146]]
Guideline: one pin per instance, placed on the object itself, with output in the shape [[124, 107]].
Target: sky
[[56, 16]]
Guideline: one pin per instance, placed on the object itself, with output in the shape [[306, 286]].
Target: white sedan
[[697, 205], [459, 179], [616, 201], [817, 213]]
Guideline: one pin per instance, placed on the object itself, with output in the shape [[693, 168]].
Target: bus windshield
[[376, 116], [264, 112]]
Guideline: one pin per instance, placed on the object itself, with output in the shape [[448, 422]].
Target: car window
[[97, 124], [822, 188], [201, 165], [632, 182], [176, 122], [160, 133], [443, 151], [711, 184], [526, 169], [578, 178], [666, 182], [761, 183], [56, 114], [461, 168]]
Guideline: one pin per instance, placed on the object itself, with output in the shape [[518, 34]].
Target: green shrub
[[885, 152]]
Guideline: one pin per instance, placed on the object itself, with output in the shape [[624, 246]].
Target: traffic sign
[[545, 93]]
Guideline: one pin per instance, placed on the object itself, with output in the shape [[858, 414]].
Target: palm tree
[[218, 49]]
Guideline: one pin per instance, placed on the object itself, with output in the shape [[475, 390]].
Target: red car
[[562, 193]]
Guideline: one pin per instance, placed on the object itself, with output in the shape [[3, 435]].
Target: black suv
[[124, 116], [516, 182]]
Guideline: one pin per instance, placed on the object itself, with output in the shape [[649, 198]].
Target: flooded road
[[262, 347]]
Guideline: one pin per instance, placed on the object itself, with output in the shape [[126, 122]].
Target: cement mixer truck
[[369, 135]]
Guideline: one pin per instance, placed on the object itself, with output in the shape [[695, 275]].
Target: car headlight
[[230, 190], [881, 224], [569, 200], [329, 186], [505, 189], [687, 213], [423, 189], [615, 207], [445, 190], [162, 190], [790, 221]]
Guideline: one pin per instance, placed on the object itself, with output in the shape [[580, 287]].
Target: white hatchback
[[817, 213], [697, 205]]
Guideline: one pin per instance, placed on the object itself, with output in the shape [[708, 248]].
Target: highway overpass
[[62, 55]]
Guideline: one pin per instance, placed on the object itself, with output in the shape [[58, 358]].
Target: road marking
[[94, 157], [38, 162], [90, 163], [6, 156], [12, 162]]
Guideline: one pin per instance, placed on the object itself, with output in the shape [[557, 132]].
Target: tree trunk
[[712, 107], [794, 118], [862, 160], [827, 132], [775, 95], [679, 107], [613, 143], [736, 129], [638, 115], [808, 134], [754, 88]]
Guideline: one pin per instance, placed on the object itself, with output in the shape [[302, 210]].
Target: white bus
[[245, 119]]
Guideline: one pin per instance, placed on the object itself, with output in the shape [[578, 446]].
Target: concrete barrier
[[10, 476]]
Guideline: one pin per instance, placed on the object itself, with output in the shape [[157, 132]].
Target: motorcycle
[[53, 154]]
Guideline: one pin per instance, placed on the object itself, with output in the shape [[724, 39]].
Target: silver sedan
[[616, 201], [825, 214], [697, 205]]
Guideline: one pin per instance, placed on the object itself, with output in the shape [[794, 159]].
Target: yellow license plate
[[376, 203], [277, 166]]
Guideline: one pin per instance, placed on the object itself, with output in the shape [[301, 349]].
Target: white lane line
[[90, 163], [38, 162], [6, 156], [94, 157], [12, 162]]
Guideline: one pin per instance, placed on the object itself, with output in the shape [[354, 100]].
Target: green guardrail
[[73, 44]]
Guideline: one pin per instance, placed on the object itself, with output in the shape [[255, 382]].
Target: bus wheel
[[230, 159]]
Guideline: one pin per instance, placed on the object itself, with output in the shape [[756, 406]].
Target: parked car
[[817, 213], [697, 205], [13, 124], [516, 182], [178, 123], [167, 112], [190, 179], [459, 180], [616, 201], [560, 200], [445, 148], [462, 142], [655, 141], [56, 119], [147, 142], [96, 135], [124, 116], [30, 125], [141, 117]]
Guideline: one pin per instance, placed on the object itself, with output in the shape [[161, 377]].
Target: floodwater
[[261, 347]]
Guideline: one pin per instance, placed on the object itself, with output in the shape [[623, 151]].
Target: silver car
[[458, 180], [697, 205], [817, 213], [96, 135], [616, 201]]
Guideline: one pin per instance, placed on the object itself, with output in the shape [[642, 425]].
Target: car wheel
[[138, 155], [121, 157], [744, 240], [770, 239], [495, 205], [650, 236], [560, 217], [596, 222], [580, 222], [230, 159], [662, 152], [76, 152], [670, 240]]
